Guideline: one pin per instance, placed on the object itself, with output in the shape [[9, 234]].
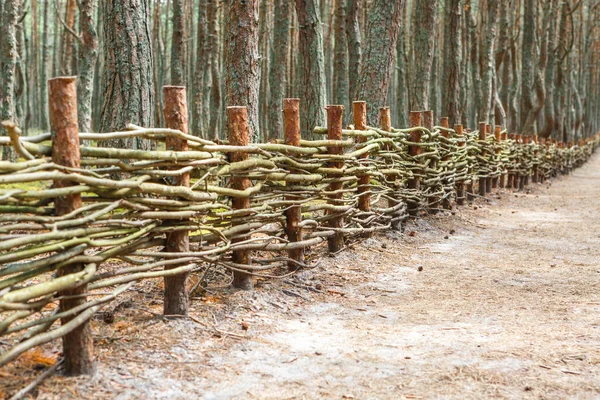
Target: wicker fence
[[253, 209]]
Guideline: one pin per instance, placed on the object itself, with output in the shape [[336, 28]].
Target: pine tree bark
[[375, 75], [178, 44], [424, 23], [88, 54], [127, 84], [340, 63], [452, 61], [312, 69], [8, 52], [354, 44], [242, 69], [277, 72], [66, 44], [215, 74], [528, 53], [487, 64], [44, 70], [202, 70]]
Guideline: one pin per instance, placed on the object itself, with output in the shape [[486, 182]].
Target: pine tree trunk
[[354, 44], [200, 71], [8, 45], [127, 84], [43, 109], [424, 23], [215, 74], [178, 44], [340, 66], [242, 76], [452, 62], [88, 53], [66, 54], [376, 71], [277, 72], [312, 68], [487, 65], [528, 52]]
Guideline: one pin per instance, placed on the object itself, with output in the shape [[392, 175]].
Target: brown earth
[[500, 300]]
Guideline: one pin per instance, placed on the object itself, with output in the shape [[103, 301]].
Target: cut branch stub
[[176, 117], [291, 122], [238, 129], [78, 345], [334, 132]]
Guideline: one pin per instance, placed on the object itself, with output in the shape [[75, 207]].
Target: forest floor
[[499, 300]]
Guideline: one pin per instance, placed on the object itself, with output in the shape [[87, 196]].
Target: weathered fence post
[[291, 122], [488, 180], [444, 123], [432, 202], [385, 119], [415, 137], [364, 189], [535, 178], [334, 132], [482, 179], [176, 117], [78, 345], [460, 186], [238, 136], [502, 181], [471, 185], [497, 138]]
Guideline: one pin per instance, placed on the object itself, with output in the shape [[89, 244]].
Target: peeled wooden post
[[519, 183], [535, 167], [460, 186], [238, 136], [471, 185], [502, 180], [176, 117], [78, 345], [497, 138], [488, 180], [334, 132], [415, 137], [482, 137], [386, 125], [291, 122], [445, 124], [364, 189], [432, 201], [526, 140]]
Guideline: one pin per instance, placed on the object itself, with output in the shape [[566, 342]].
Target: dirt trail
[[507, 305]]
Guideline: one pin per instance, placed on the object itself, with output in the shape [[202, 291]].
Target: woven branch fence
[[253, 209]]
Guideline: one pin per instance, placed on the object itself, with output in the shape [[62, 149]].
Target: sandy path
[[507, 305]]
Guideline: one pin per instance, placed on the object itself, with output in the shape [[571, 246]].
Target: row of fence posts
[[78, 344]]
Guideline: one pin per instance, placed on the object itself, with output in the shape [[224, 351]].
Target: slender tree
[[424, 23], [88, 53], [375, 75], [312, 69], [8, 50], [451, 102], [277, 72], [127, 84], [178, 44], [340, 64], [242, 77]]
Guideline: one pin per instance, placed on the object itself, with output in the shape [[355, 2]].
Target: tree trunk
[[66, 54], [452, 62], [44, 70], [88, 53], [127, 84], [277, 72], [242, 77], [313, 95], [215, 74], [178, 44], [354, 44], [528, 54], [402, 81], [375, 75], [340, 63], [8, 52], [424, 24], [200, 72], [488, 65]]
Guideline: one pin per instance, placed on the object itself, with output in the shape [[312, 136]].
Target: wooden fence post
[[497, 138], [520, 179], [415, 137], [385, 119], [432, 202], [334, 132], [460, 186], [78, 345], [293, 215], [502, 181], [238, 136], [488, 180], [471, 185], [176, 117], [364, 189], [482, 137], [535, 178]]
